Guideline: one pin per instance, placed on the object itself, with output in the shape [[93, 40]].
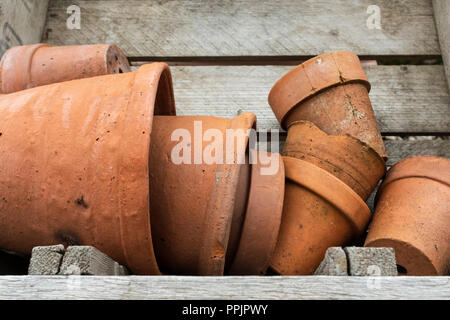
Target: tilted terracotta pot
[[262, 220], [412, 215], [347, 158], [35, 65], [319, 212], [75, 164], [332, 91], [194, 203]]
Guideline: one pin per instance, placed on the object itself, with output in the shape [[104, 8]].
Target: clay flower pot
[[35, 65], [347, 158], [75, 164], [412, 215], [320, 211], [197, 205], [261, 226], [332, 91]]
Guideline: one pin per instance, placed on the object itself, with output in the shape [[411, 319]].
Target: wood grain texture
[[442, 18], [405, 98], [21, 22], [173, 287], [248, 28]]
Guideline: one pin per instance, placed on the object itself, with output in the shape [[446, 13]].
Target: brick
[[87, 260], [46, 260], [370, 261], [334, 263]]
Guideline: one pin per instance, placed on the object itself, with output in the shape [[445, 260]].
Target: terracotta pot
[[412, 215], [347, 158], [332, 91], [262, 220], [74, 164], [320, 211], [40, 64], [194, 203]]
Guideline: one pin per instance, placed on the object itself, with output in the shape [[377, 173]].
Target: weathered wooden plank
[[401, 149], [250, 28], [201, 288], [442, 18], [21, 22], [405, 98]]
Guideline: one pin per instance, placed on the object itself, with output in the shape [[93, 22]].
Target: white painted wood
[[405, 98], [21, 22], [173, 287], [442, 18], [198, 28]]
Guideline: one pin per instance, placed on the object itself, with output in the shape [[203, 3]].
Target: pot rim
[[348, 139], [427, 167], [150, 75], [263, 217], [346, 136], [282, 98], [18, 61], [330, 188], [212, 254]]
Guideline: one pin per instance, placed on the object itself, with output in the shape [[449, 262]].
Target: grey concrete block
[[368, 261], [334, 263], [46, 260], [87, 260]]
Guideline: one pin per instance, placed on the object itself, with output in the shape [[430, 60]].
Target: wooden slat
[[405, 98], [442, 18], [400, 149], [248, 28], [173, 287], [21, 22]]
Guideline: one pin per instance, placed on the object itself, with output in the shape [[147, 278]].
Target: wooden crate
[[225, 56]]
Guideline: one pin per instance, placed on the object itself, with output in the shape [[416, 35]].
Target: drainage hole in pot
[[401, 269]]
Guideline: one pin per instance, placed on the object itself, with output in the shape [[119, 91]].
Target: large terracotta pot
[[197, 205], [332, 91], [262, 219], [412, 215], [35, 65], [75, 164], [347, 158], [320, 211]]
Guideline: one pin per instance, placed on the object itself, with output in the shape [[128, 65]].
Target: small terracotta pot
[[262, 220], [194, 204], [412, 215], [332, 91], [35, 65], [347, 158], [74, 164], [320, 211]]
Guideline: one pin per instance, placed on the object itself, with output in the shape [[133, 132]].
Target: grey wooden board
[[21, 22], [174, 287], [400, 149], [248, 28], [442, 18], [404, 98]]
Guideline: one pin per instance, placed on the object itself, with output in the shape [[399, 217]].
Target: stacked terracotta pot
[[88, 159], [334, 157]]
